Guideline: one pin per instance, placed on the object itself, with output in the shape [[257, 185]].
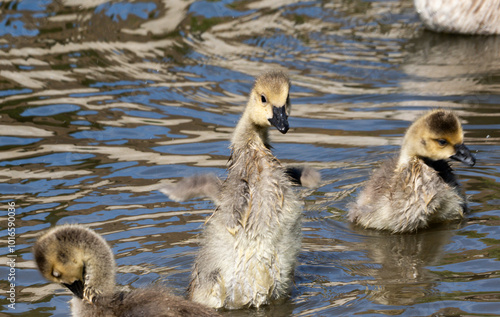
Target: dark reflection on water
[[104, 102]]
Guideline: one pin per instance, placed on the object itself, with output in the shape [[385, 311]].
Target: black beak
[[463, 155], [76, 288], [280, 119]]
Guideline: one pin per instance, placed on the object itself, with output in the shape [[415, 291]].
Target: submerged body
[[419, 187], [152, 301], [408, 198], [460, 16], [250, 243], [81, 260]]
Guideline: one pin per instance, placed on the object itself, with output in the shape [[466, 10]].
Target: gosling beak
[[463, 155], [76, 287], [280, 119]]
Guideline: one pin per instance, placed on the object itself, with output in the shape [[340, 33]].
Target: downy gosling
[[82, 261], [417, 188], [250, 243]]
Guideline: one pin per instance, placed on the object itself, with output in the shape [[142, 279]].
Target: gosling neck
[[247, 132], [405, 157], [408, 150], [99, 264]]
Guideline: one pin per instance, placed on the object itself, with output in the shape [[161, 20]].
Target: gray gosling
[[82, 261], [460, 16], [419, 187], [250, 243], [209, 185]]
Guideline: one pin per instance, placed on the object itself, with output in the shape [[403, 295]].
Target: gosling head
[[66, 254], [269, 102], [437, 135]]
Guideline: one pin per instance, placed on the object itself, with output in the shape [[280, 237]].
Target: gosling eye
[[442, 142], [263, 98]]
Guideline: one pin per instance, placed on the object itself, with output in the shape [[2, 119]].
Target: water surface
[[104, 102]]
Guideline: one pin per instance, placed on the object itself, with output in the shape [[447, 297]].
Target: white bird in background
[[460, 16]]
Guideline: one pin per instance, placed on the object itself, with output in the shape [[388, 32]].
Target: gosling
[[419, 187], [82, 261], [460, 16], [250, 244]]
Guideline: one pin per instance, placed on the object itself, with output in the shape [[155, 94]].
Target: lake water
[[102, 103]]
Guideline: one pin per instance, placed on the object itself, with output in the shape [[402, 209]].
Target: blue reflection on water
[[146, 132], [213, 148], [11, 140], [51, 110], [33, 187], [211, 9], [54, 159], [14, 92], [121, 10], [30, 5], [12, 25]]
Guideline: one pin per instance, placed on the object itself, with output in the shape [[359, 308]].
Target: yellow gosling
[[250, 243], [417, 188]]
